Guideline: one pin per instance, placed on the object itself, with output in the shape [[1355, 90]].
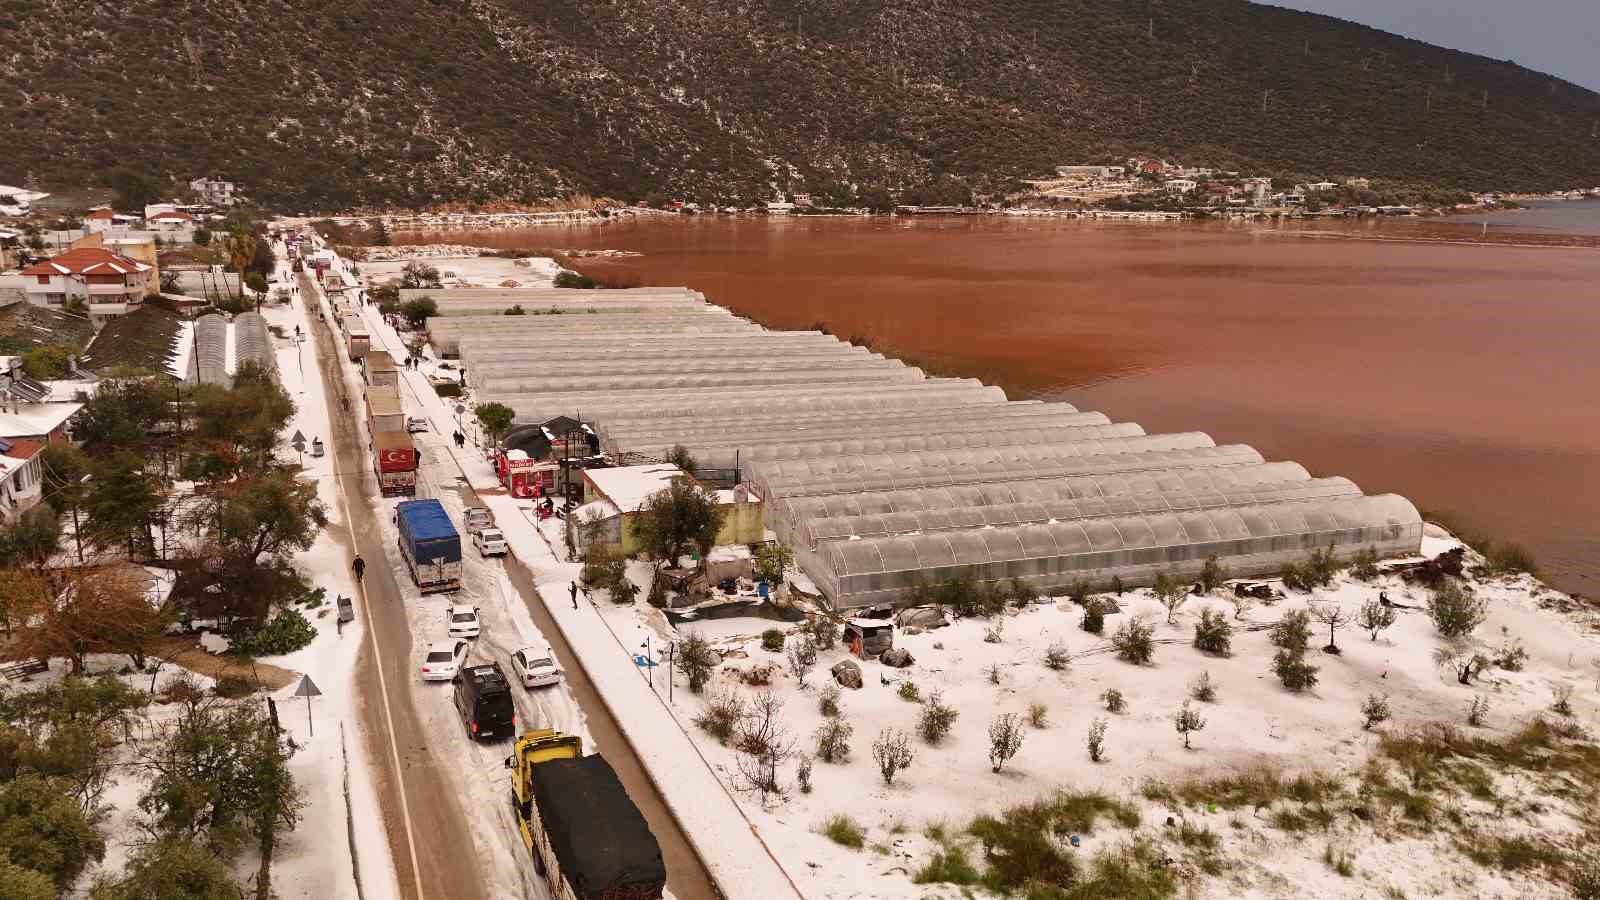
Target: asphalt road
[[464, 836], [432, 820]]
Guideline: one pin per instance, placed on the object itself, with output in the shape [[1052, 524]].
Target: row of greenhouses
[[883, 478]]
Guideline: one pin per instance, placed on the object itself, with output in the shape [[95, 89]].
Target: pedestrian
[[359, 567], [574, 590]]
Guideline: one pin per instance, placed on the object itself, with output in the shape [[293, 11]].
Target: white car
[[535, 666], [490, 542], [443, 660], [476, 518], [416, 424], [463, 621]]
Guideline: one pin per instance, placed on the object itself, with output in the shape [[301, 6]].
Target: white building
[[214, 191], [173, 223], [1180, 185], [109, 283]]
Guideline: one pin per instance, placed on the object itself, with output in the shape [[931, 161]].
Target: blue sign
[[639, 659]]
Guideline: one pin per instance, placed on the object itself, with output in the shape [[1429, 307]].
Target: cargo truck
[[357, 341], [430, 545], [586, 837], [394, 459]]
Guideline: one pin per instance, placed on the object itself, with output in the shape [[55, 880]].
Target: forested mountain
[[408, 102]]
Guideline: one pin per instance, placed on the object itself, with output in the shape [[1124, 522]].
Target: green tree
[[64, 467], [236, 429], [417, 274], [771, 562], [122, 502], [202, 236], [21, 883], [380, 233], [678, 517], [171, 869], [256, 281], [496, 418], [270, 513], [419, 311], [31, 540], [47, 362], [42, 828], [683, 459], [134, 189], [121, 413]]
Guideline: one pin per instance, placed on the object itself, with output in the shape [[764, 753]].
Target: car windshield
[[440, 656], [464, 617], [491, 535], [544, 663]]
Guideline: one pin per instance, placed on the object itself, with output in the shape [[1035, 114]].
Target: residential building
[[613, 497], [135, 245], [172, 223], [1360, 184], [1180, 185], [109, 283], [214, 190], [21, 478]]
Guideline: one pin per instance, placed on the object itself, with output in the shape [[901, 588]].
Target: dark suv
[[483, 697]]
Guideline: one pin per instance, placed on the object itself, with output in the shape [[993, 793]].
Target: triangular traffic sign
[[298, 437], [307, 688]]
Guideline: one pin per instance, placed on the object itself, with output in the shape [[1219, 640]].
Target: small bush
[[1094, 616], [1097, 740], [802, 773], [1079, 590], [1507, 559], [909, 692], [286, 632], [1023, 593], [996, 633], [232, 687], [1114, 700], [757, 676], [845, 831], [720, 718], [1511, 656], [828, 701], [772, 639], [1374, 710], [1187, 721], [1213, 633], [833, 741], [448, 389], [824, 632], [1135, 642], [1374, 617], [1478, 711], [948, 866], [1292, 669], [1056, 657], [1339, 860], [1293, 631], [1563, 701], [992, 672], [936, 719], [1364, 565], [1172, 594], [1005, 739], [1454, 609], [1213, 574], [1038, 715], [1204, 688], [892, 752]]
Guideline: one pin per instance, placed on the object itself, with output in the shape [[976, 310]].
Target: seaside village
[[869, 631]]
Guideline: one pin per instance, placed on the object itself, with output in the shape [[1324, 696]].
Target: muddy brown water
[[1454, 361]]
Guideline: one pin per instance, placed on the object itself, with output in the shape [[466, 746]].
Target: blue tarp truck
[[430, 545]]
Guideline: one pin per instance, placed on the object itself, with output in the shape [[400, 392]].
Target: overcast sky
[[1561, 37]]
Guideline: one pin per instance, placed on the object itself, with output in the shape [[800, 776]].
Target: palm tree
[[240, 245]]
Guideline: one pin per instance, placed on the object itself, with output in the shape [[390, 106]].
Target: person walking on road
[[359, 567], [574, 590], [461, 440]]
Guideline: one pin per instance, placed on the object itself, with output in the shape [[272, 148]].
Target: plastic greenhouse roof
[[1046, 540], [950, 414]]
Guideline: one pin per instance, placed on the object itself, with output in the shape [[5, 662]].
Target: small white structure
[[21, 479], [214, 190], [1180, 186]]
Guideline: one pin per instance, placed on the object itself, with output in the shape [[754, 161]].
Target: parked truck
[[394, 459], [357, 340], [586, 837], [430, 545]]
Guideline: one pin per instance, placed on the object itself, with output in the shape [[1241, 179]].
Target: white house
[[109, 283], [1180, 185], [214, 190], [21, 478], [171, 222]]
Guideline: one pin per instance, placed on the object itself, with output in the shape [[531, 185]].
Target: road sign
[[298, 437], [308, 689]]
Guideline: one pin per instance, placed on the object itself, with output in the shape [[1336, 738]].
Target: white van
[[476, 518]]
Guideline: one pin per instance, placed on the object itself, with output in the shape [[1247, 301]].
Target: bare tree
[[1172, 593], [1478, 710], [1005, 739], [1460, 656], [1374, 617], [765, 744], [1187, 721], [802, 658], [1335, 617], [892, 752], [1242, 603], [833, 740], [1057, 657]]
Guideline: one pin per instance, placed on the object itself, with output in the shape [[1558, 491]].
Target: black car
[[483, 697]]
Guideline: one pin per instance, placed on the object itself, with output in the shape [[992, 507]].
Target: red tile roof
[[23, 449], [87, 261], [173, 214], [100, 214]]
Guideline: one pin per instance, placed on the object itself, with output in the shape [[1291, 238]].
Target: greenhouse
[[800, 485], [508, 373], [252, 343], [210, 365], [754, 451], [666, 382], [810, 532], [531, 296], [803, 422], [595, 405], [1049, 556], [777, 430], [1260, 480]]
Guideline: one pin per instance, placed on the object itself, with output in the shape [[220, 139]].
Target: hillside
[[407, 102]]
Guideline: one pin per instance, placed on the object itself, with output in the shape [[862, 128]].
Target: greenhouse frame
[[1050, 557]]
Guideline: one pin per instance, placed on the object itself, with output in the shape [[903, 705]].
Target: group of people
[[460, 439]]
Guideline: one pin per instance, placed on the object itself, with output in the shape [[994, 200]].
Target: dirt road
[[432, 820]]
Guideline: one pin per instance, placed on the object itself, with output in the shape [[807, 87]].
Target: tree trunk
[[269, 838]]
